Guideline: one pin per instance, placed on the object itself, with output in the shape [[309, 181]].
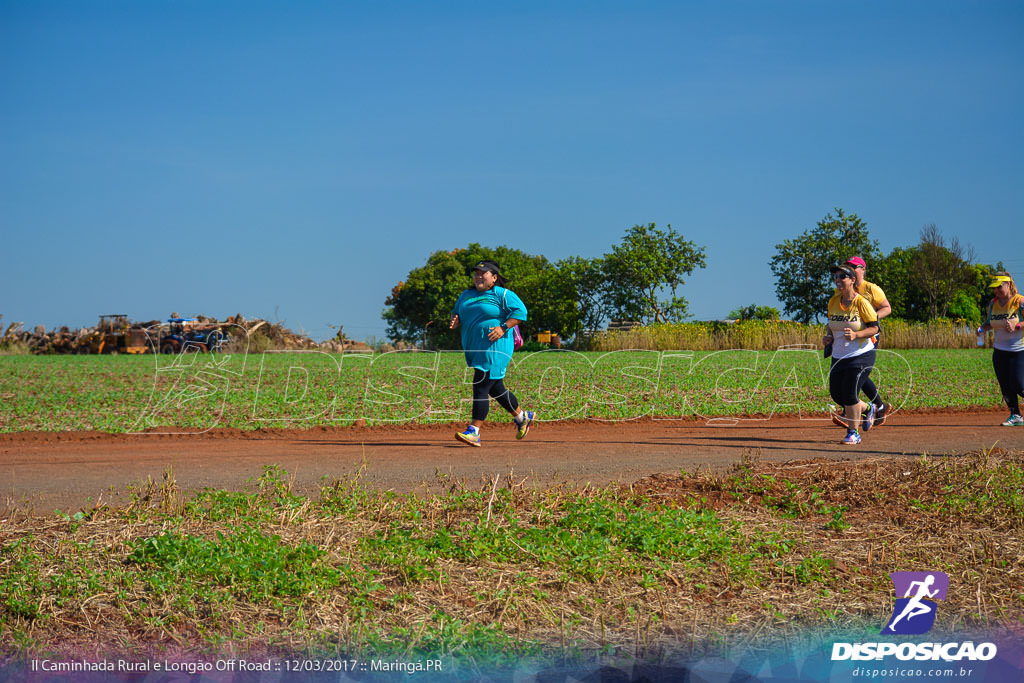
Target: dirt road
[[69, 470]]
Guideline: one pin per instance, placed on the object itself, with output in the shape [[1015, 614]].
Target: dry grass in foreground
[[678, 563]]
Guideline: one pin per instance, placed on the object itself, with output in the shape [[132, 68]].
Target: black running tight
[[1009, 367], [484, 389], [871, 391]]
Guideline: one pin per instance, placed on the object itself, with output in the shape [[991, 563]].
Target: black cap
[[843, 269], [487, 265]]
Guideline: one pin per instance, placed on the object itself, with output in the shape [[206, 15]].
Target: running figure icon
[[914, 612], [914, 606]]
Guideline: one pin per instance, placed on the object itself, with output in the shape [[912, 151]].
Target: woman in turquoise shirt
[[486, 312]]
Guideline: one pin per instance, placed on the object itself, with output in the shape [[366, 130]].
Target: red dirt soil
[[40, 472]]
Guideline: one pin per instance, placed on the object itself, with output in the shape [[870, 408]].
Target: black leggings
[[869, 388], [871, 391], [847, 376], [484, 389], [1009, 367]]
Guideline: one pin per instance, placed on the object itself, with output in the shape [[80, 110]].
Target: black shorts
[[847, 376]]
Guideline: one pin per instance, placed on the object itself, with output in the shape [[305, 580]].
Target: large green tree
[[801, 265], [940, 272], [892, 274], [583, 281], [645, 266]]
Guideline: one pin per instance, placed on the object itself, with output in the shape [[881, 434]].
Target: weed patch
[[490, 576], [251, 564]]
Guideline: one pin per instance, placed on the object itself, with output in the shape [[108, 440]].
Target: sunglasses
[[841, 276]]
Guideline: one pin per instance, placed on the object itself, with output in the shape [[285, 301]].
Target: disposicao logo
[[914, 613], [917, 599]]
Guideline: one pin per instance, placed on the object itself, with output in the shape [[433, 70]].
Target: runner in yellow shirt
[[1006, 320], [852, 324], [876, 297]]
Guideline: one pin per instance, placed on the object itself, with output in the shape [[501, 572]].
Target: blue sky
[[298, 159]]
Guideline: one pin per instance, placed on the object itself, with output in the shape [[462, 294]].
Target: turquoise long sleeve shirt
[[480, 311]]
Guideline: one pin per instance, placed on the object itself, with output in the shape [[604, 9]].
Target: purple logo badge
[[916, 596]]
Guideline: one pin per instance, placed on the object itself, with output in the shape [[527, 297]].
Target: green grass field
[[296, 390]]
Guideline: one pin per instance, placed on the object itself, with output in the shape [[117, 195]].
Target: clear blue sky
[[301, 158]]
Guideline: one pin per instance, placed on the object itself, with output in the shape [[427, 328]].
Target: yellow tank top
[[853, 317], [997, 317]]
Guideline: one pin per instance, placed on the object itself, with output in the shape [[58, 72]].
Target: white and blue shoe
[[852, 437]]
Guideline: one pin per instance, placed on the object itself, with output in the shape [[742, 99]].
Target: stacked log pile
[[39, 341], [58, 340], [262, 335]]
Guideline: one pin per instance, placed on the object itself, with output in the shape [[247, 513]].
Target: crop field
[[128, 393], [679, 564]]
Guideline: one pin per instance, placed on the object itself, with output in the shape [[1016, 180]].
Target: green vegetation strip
[[486, 577], [125, 393]]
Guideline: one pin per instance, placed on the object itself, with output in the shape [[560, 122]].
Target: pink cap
[[857, 261]]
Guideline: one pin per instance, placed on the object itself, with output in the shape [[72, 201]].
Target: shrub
[[768, 335]]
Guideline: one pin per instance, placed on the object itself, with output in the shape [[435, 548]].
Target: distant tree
[[643, 266], [584, 282], [801, 265], [551, 302], [963, 306], [985, 273], [939, 272], [417, 305], [913, 296], [754, 312], [892, 274]]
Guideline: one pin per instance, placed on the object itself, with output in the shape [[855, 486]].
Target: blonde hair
[[1013, 287]]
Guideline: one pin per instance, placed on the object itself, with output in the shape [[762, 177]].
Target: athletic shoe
[[852, 438], [525, 426], [469, 436], [1014, 421], [881, 412], [835, 419], [868, 421]]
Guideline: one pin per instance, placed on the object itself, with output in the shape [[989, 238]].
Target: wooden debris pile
[[262, 335], [342, 344], [59, 340], [265, 335]]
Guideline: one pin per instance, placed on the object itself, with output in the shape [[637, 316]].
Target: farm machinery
[[189, 335], [114, 335]]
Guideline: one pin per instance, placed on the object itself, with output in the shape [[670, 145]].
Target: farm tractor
[[185, 334], [114, 335]]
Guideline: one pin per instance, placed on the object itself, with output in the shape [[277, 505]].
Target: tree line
[[929, 280], [641, 277]]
